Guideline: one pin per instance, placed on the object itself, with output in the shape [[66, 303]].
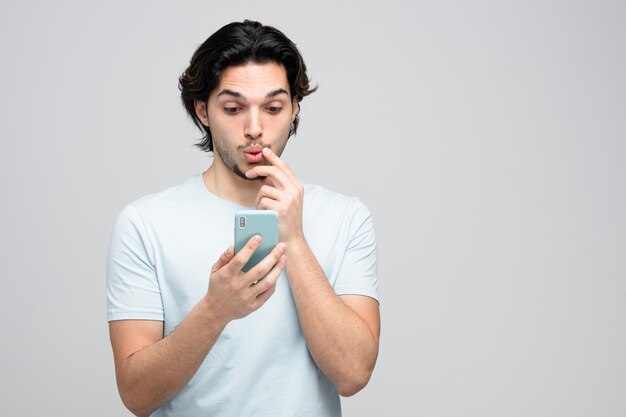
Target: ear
[[295, 106], [201, 111]]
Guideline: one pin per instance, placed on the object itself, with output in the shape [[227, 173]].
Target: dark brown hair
[[235, 44]]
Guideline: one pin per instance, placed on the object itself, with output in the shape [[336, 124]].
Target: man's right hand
[[234, 294], [150, 368]]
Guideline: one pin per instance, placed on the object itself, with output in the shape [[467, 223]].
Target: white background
[[487, 138]]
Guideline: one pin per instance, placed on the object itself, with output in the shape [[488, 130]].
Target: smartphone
[[256, 222]]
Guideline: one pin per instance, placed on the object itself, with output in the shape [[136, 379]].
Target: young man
[[194, 335]]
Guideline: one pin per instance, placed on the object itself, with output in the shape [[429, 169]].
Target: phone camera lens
[[242, 222]]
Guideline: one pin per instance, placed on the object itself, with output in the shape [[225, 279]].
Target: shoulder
[[172, 196], [319, 199], [162, 203], [321, 196]]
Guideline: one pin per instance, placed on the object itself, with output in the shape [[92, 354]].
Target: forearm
[[340, 341], [153, 375]]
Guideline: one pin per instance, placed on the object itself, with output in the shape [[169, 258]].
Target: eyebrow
[[235, 94], [276, 92]]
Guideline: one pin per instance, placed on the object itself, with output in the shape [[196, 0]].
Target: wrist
[[296, 242], [211, 314]]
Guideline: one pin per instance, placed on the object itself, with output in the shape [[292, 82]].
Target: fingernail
[[257, 238], [266, 151], [281, 246]]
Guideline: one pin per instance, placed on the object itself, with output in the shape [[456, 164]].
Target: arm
[[151, 369], [341, 331]]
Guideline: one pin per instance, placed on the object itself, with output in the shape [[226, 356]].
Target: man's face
[[251, 108]]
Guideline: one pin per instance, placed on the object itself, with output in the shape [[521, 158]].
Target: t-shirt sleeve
[[132, 286], [358, 272]]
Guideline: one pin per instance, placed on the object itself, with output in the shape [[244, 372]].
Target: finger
[[268, 204], [269, 192], [269, 282], [273, 159], [262, 268], [263, 297], [244, 254], [276, 174], [224, 259]]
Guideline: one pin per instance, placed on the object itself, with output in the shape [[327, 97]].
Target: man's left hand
[[284, 196]]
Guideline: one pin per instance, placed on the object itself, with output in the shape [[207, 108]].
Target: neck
[[225, 184]]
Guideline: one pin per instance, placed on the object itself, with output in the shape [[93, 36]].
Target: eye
[[231, 110], [274, 109]]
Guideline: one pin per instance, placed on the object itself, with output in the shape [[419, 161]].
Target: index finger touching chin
[[272, 158], [267, 181], [282, 165]]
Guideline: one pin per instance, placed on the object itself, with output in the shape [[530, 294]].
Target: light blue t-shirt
[[160, 257]]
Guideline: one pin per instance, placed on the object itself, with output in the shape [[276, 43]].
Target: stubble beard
[[229, 159]]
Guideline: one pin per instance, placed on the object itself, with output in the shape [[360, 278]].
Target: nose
[[253, 128]]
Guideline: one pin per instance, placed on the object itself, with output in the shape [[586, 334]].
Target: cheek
[[220, 128], [223, 122], [285, 125]]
